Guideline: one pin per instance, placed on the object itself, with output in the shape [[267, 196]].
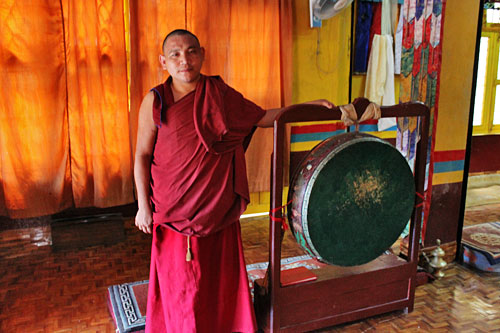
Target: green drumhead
[[358, 202]]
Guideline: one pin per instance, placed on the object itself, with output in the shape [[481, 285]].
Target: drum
[[351, 197]]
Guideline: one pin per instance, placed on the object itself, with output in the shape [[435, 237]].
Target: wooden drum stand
[[340, 294]]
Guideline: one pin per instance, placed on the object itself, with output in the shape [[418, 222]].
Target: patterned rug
[[127, 302], [481, 244]]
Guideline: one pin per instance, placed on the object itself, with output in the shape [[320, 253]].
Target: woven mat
[[127, 306], [127, 302], [480, 196]]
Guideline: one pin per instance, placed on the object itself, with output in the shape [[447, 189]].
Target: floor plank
[[46, 291]]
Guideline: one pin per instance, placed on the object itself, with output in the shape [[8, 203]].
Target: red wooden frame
[[340, 294]]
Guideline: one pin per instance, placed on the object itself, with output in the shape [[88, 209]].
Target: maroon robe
[[199, 187]]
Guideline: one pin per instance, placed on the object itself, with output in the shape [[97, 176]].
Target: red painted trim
[[370, 122], [317, 128], [326, 127], [449, 155]]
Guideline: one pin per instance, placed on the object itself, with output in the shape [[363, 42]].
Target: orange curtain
[[242, 42], [101, 170], [149, 22], [64, 123], [34, 142]]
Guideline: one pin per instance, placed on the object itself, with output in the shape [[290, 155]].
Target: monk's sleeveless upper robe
[[198, 174]]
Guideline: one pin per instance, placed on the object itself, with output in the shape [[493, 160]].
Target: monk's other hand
[[322, 102], [144, 221]]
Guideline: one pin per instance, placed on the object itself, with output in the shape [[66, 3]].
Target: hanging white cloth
[[376, 73], [386, 20], [389, 97], [379, 87]]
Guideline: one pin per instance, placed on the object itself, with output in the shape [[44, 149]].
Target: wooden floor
[[46, 291]]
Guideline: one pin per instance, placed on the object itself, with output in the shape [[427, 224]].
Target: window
[[487, 102]]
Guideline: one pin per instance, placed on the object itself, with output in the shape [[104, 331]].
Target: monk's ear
[[202, 51], [163, 61]]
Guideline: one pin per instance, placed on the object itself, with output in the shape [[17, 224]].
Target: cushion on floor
[[481, 246]]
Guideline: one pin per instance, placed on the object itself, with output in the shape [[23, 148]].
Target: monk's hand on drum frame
[[322, 102], [144, 220]]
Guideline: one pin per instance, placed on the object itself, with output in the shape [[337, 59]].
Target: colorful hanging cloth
[[420, 69]]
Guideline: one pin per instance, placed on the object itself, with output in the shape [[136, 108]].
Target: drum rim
[[307, 192]]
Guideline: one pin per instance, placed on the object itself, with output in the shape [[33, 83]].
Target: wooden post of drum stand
[[340, 294]]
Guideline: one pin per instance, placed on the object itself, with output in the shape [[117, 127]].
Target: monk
[[192, 188]]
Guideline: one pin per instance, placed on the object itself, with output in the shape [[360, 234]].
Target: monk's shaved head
[[180, 32]]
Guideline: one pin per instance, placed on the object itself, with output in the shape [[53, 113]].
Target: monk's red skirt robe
[[199, 188]]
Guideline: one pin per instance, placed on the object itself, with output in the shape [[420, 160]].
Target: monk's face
[[183, 58]]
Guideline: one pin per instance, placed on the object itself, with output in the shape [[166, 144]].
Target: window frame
[[491, 82]]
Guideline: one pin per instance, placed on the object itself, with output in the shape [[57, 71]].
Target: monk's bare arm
[[268, 119], [146, 136]]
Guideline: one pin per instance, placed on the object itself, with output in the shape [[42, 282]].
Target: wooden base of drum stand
[[340, 294]]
